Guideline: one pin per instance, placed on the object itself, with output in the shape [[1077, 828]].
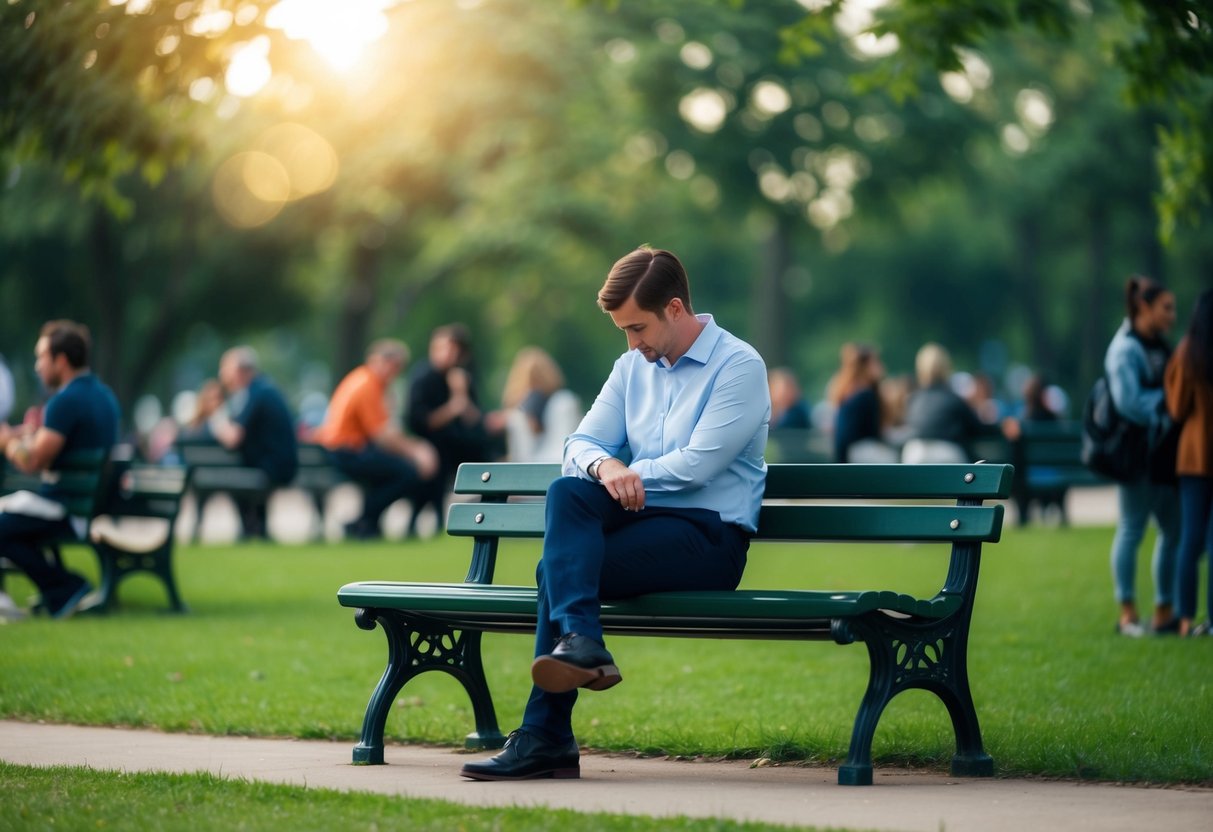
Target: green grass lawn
[[266, 650], [71, 798]]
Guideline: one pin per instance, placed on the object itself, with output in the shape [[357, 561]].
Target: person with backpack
[[1189, 388], [1134, 365]]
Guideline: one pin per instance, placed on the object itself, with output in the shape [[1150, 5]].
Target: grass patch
[[74, 798], [266, 650]]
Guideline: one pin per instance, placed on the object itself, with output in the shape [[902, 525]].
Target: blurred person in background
[[208, 401], [81, 414], [1135, 364], [262, 430], [940, 424], [1189, 392], [444, 410], [8, 391], [539, 412], [367, 445], [789, 410], [855, 393]]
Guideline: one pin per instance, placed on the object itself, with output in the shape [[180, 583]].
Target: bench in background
[[1048, 462], [133, 532], [912, 642], [214, 470], [82, 479]]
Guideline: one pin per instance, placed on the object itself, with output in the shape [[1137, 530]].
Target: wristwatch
[[592, 470]]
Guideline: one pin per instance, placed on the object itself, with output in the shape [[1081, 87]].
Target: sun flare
[[338, 32]]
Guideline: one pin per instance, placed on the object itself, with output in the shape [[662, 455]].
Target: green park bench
[[1048, 462], [133, 530], [82, 479], [214, 469], [912, 642]]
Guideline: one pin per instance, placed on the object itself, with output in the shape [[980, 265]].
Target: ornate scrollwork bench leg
[[907, 654], [414, 647]]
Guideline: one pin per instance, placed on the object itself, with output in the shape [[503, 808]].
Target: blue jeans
[[593, 550], [1139, 500], [1196, 511], [21, 539]]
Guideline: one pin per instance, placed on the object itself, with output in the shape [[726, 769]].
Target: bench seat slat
[[801, 522], [512, 608], [783, 481]]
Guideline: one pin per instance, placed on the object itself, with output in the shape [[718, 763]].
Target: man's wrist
[[592, 468]]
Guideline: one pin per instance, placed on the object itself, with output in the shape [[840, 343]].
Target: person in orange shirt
[[368, 446]]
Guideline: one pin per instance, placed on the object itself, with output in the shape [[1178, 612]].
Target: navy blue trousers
[[1196, 536], [593, 550], [21, 539]]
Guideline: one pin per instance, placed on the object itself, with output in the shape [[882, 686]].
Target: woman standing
[[1135, 364], [1189, 389]]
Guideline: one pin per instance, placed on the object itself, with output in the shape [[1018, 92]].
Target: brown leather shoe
[[577, 662]]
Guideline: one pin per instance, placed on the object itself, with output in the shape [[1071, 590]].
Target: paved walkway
[[899, 800]]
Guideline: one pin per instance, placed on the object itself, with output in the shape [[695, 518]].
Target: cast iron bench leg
[[905, 656], [412, 651]]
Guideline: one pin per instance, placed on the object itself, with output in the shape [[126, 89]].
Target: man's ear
[[675, 309]]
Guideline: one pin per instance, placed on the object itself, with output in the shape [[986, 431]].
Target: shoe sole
[[555, 676], [551, 774]]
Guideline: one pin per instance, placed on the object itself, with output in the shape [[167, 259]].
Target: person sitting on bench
[[82, 415], [690, 401], [262, 431], [371, 449]]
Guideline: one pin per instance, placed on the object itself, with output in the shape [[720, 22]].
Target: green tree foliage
[[1163, 49]]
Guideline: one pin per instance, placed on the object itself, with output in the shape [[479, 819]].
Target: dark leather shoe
[[577, 662], [527, 757]]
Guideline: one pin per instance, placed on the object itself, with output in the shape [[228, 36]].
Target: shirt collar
[[701, 350]]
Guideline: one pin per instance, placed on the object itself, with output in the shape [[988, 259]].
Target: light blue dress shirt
[[696, 430]]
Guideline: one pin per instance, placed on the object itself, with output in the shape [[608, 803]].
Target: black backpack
[[1112, 445]]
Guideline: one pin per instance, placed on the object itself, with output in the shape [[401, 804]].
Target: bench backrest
[[824, 502], [147, 491]]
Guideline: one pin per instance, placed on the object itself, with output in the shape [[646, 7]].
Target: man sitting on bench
[[261, 430], [368, 447], [690, 402], [80, 416]]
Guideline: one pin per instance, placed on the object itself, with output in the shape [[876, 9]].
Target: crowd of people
[[409, 449]]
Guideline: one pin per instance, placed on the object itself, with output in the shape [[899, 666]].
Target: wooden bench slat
[[670, 612], [783, 481], [798, 522]]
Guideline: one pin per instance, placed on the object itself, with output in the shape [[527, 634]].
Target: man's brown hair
[[652, 276]]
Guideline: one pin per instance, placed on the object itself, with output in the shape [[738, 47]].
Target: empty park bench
[[912, 642], [1048, 462], [133, 531], [214, 469]]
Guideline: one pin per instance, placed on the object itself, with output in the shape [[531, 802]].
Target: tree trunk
[[768, 325], [353, 328], [1044, 352], [1095, 330], [109, 298]]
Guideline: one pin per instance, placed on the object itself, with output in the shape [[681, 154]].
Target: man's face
[[48, 367], [647, 332]]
